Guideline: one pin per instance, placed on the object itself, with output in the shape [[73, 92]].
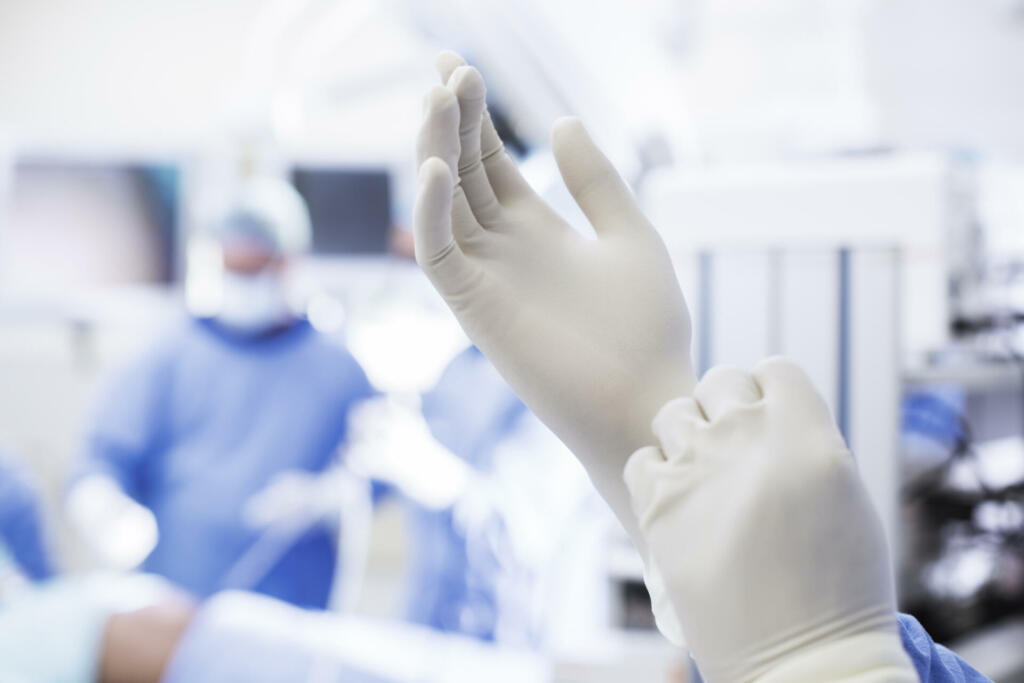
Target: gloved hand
[[117, 528], [299, 497], [389, 442], [592, 334], [774, 557]]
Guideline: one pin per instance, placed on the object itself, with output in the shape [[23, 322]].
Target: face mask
[[251, 304]]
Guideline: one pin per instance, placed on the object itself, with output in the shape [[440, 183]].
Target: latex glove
[[389, 442], [592, 334], [299, 497], [774, 557], [116, 527]]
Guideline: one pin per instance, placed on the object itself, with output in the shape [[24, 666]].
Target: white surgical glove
[[117, 528], [774, 558], [389, 442], [300, 498], [592, 334]]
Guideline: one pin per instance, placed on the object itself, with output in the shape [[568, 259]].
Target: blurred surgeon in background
[[459, 550], [218, 409], [492, 564], [25, 551]]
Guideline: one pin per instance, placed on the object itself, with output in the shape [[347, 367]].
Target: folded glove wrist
[[870, 657]]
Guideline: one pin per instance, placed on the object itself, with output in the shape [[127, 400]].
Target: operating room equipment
[[963, 509]]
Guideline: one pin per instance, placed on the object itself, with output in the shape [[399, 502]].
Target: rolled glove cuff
[[869, 657]]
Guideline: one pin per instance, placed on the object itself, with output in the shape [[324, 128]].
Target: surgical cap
[[268, 211]]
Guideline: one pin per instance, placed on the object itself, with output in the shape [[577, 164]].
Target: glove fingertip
[[566, 126], [434, 166], [446, 62], [592, 180], [637, 475], [438, 97], [467, 82], [435, 176], [432, 213]]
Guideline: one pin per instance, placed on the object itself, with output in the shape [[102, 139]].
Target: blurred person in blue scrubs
[[110, 627], [25, 551], [113, 627], [457, 558], [216, 410], [492, 564]]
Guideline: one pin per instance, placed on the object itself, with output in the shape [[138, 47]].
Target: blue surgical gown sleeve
[[22, 529], [124, 431], [934, 663]]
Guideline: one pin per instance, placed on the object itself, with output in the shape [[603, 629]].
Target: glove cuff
[[869, 657]]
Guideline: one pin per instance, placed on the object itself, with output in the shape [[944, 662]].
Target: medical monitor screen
[[350, 209], [73, 224]]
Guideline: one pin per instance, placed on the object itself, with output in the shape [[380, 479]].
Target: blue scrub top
[[454, 578], [22, 529], [206, 419]]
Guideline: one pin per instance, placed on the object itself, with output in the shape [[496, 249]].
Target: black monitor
[[350, 209]]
